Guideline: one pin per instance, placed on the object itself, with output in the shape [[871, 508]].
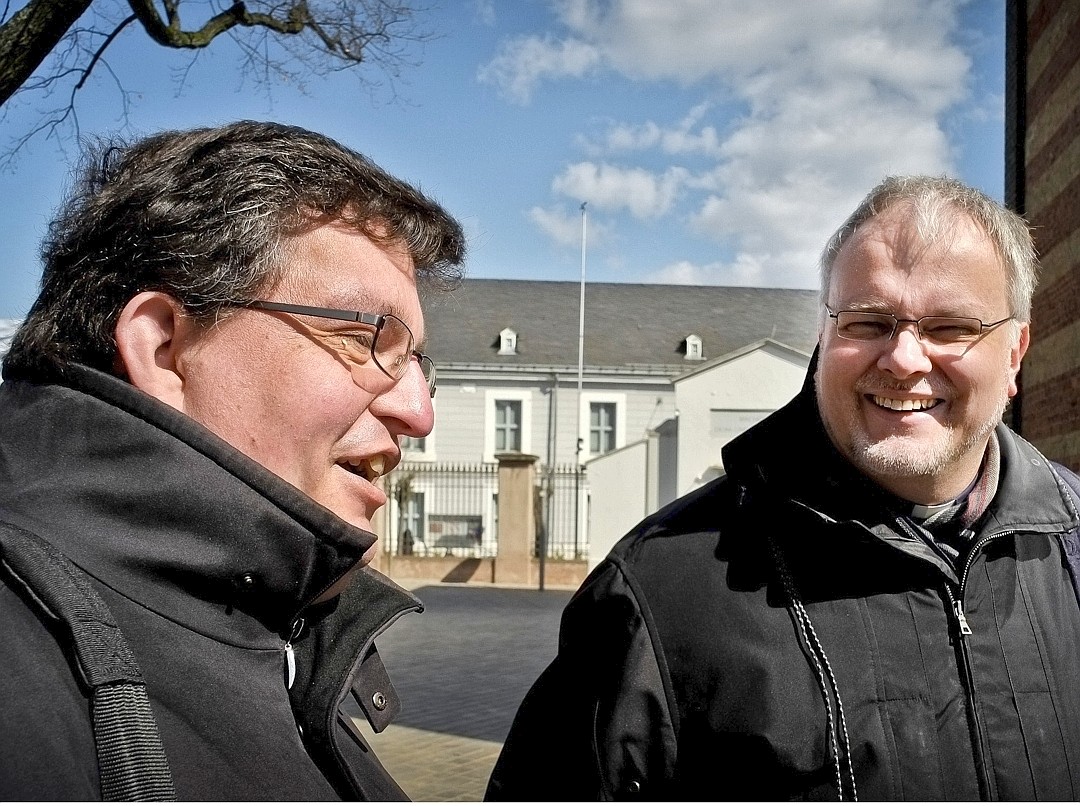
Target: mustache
[[926, 385]]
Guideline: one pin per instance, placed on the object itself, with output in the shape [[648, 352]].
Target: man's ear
[[1016, 355], [150, 333]]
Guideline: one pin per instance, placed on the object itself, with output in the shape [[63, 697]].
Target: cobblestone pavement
[[462, 668]]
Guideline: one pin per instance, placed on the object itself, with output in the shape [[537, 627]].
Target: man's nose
[[905, 354], [409, 402]]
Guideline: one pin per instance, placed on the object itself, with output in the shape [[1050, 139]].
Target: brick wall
[[1043, 182]]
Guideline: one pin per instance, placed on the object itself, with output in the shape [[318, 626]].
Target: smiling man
[[197, 411], [877, 600]]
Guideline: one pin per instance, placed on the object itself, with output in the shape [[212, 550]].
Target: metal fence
[[561, 509], [451, 510]]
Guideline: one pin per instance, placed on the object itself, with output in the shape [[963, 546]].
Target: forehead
[[893, 252], [337, 266]]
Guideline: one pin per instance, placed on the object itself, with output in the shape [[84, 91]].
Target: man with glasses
[[226, 351], [877, 601]]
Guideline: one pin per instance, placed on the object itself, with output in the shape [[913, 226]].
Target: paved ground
[[462, 668]]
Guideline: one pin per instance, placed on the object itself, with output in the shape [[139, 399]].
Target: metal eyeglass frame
[[375, 320], [984, 327]]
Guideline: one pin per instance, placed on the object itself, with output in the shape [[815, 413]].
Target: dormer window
[[693, 348], [507, 342]]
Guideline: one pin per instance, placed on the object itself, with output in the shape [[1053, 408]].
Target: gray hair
[[934, 201], [205, 216]]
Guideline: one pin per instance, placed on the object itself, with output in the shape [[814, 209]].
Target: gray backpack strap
[[131, 760]]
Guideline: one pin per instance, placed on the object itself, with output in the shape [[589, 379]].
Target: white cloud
[[834, 95], [525, 61], [565, 228], [758, 270], [643, 194], [684, 138]]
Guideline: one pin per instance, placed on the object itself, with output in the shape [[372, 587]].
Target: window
[[601, 423], [507, 422], [601, 428], [693, 348], [507, 425], [413, 444], [412, 523], [507, 342]]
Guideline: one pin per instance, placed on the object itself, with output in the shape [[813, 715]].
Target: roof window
[[507, 342], [693, 348]]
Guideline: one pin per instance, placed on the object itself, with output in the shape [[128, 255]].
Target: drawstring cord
[[823, 671]]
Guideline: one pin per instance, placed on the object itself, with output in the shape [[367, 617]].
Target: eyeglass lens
[[393, 350], [393, 345], [941, 330]]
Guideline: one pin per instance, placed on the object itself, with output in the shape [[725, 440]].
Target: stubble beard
[[901, 456]]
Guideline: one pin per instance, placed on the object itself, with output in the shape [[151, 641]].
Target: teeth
[[905, 405], [370, 468]]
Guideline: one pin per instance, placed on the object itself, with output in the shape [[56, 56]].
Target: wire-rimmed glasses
[[955, 332], [389, 344]]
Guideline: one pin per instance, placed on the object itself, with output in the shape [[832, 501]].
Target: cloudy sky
[[714, 141]]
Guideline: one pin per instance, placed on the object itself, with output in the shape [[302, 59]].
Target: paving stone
[[462, 668]]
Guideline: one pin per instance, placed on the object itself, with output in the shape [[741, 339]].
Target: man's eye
[[358, 342], [865, 328], [951, 330]]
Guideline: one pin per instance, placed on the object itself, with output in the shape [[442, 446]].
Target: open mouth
[[370, 468], [923, 404]]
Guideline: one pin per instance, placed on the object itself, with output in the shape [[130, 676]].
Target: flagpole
[[580, 373]]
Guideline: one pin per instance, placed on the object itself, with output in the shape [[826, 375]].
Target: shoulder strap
[[1070, 541], [131, 759]]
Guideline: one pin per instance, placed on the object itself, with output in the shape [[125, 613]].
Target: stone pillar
[[517, 518]]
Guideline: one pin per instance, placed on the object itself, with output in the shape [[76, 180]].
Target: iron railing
[[451, 510]]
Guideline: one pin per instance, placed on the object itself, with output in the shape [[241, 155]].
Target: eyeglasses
[[943, 331], [390, 345]]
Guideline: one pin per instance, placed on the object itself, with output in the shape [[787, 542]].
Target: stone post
[[517, 522]]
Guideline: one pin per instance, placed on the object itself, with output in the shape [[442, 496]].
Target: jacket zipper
[[290, 655], [956, 601], [984, 777]]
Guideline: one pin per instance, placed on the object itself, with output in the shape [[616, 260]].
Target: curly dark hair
[[204, 215]]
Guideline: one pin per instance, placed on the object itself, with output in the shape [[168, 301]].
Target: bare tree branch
[[30, 35], [42, 48]]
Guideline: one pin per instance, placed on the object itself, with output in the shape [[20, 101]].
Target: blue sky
[[715, 141]]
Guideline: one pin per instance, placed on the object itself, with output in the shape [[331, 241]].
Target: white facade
[[553, 415], [719, 400], [715, 403]]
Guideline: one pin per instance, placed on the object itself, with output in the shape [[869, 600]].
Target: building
[[1042, 182], [668, 375], [507, 356]]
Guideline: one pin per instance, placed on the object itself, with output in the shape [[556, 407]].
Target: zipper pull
[[290, 655], [958, 608]]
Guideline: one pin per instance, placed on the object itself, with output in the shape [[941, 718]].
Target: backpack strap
[[131, 759], [1070, 541]]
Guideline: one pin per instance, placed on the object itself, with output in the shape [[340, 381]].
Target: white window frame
[[523, 396], [588, 398]]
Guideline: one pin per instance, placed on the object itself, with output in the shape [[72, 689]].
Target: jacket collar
[[160, 509]]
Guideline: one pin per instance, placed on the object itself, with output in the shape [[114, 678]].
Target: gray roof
[[625, 323]]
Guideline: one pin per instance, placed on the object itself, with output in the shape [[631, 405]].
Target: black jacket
[[781, 634], [208, 562]]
